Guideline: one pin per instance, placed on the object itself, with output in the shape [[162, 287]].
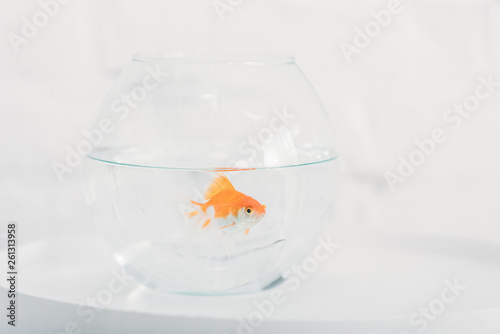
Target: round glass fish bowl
[[213, 175]]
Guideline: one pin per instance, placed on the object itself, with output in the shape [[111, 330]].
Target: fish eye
[[249, 210]]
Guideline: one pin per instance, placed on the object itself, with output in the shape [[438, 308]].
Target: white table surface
[[373, 283]]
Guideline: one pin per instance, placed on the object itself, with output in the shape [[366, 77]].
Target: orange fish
[[232, 211]]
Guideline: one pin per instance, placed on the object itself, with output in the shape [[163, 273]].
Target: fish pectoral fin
[[192, 214], [205, 224], [228, 225], [246, 232]]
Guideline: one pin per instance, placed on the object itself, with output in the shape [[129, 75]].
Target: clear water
[[141, 211]]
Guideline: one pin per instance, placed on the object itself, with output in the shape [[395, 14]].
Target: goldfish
[[228, 208]]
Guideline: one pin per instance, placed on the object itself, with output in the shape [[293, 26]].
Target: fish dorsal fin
[[220, 183]]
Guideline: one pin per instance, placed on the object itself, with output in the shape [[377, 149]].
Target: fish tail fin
[[205, 224], [192, 214], [220, 183], [202, 206]]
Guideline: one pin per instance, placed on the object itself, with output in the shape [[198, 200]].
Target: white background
[[393, 92]]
